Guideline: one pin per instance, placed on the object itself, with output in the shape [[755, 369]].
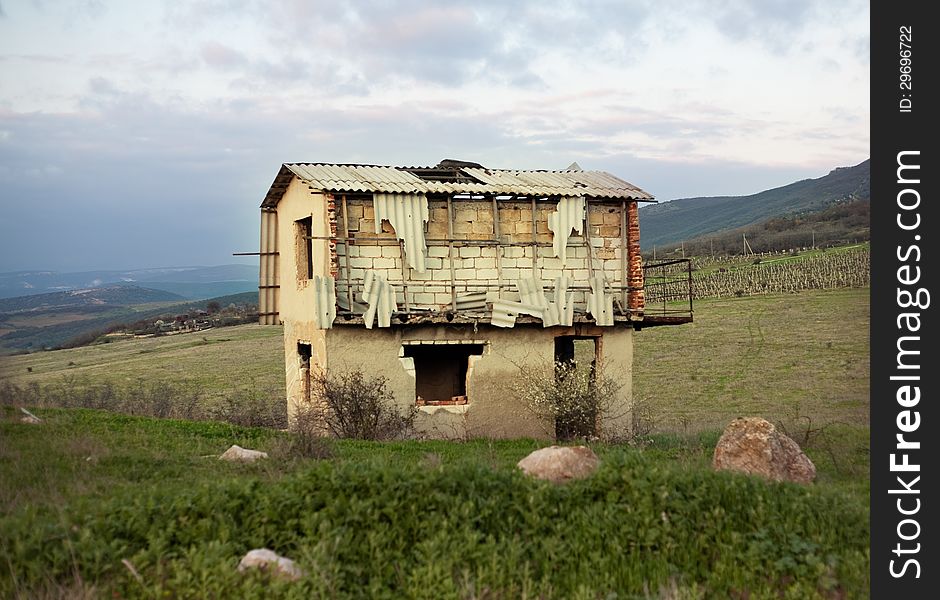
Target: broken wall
[[495, 408], [479, 264]]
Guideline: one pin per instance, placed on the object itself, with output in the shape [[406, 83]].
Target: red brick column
[[636, 301], [331, 214]]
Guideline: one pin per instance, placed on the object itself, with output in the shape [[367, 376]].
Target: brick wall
[[597, 252]]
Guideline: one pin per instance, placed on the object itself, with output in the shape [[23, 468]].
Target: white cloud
[[164, 97]]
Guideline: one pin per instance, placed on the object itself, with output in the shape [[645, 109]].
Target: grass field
[[217, 361], [778, 356], [89, 489], [775, 356], [427, 519]]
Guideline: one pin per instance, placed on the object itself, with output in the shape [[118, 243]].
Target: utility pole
[[747, 247]]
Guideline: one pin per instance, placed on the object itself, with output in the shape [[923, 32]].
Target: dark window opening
[[441, 372], [305, 248], [305, 352], [576, 357]]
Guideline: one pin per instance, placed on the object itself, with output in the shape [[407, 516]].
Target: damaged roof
[[452, 177]]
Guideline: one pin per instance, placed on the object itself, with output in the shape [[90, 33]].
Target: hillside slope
[[688, 218], [193, 283], [110, 296]]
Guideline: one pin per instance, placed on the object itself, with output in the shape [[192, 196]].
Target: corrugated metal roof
[[406, 180]]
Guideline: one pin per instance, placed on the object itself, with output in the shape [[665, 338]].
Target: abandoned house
[[452, 280]]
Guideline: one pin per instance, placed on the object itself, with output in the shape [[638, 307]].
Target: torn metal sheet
[[561, 311], [407, 214], [472, 301], [505, 311], [530, 292], [380, 296], [357, 308], [567, 216], [600, 303], [324, 301]]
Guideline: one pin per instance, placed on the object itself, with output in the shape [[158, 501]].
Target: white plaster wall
[[495, 409]]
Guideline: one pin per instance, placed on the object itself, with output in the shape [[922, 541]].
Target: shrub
[[305, 439], [251, 408], [361, 408], [151, 398], [571, 399]]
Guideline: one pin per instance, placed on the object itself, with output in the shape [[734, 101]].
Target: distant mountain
[[685, 219], [190, 282], [103, 297], [30, 323]]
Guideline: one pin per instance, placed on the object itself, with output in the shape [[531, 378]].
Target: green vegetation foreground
[[405, 519]]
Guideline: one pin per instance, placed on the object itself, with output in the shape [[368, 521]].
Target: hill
[[194, 283], [110, 296], [689, 218], [78, 324]]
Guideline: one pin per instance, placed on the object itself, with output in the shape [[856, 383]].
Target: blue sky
[[144, 134]]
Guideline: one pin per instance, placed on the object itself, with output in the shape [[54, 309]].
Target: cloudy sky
[[141, 134]]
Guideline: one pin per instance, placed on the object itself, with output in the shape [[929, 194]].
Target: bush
[[151, 398], [305, 439], [361, 408], [251, 408], [571, 399]]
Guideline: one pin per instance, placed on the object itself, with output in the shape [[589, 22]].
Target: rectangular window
[[304, 352], [303, 229], [441, 372]]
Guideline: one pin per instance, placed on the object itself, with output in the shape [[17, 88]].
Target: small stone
[[268, 560], [754, 446], [239, 454], [560, 464]]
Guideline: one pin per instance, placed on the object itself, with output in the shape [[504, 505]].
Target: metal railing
[[668, 288]]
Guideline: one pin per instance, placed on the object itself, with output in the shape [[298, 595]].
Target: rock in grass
[[559, 464], [239, 454], [270, 561], [754, 446]]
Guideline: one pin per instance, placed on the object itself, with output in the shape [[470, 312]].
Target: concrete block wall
[[475, 265]]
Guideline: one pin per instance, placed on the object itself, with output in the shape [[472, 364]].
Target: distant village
[[191, 321]]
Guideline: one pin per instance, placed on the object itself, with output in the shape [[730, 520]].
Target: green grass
[[404, 520], [782, 357], [217, 361], [437, 519]]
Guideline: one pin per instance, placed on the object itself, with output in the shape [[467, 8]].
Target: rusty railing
[[668, 288]]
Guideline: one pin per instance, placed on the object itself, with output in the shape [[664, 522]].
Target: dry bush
[[362, 408], [571, 399], [305, 439], [251, 408], [151, 398]]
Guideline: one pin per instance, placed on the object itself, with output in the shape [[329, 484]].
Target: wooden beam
[[346, 246], [450, 252], [499, 250], [535, 243]]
